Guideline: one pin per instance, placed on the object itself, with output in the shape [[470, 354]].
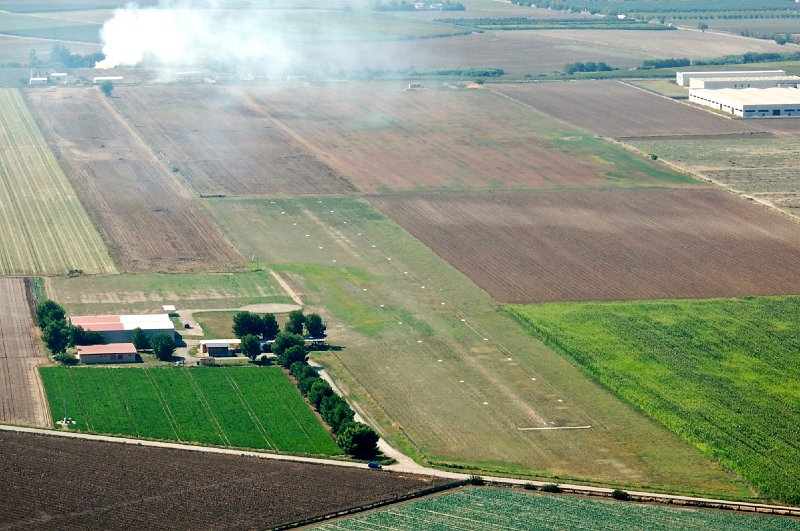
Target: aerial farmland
[[534, 261]]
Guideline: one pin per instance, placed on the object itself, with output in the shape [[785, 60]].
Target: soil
[[144, 214], [53, 482], [606, 245], [22, 398]]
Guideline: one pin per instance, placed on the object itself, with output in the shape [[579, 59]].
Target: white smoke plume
[[190, 34]]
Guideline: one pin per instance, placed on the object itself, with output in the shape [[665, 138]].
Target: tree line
[[252, 329], [58, 334]]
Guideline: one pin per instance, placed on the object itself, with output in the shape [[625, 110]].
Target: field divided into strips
[[224, 144], [384, 138], [45, 228], [235, 406], [479, 509], [22, 399], [431, 360], [724, 374], [764, 168], [148, 292], [144, 213]]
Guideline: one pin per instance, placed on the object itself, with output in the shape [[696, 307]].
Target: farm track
[[22, 397], [612, 245], [146, 217]]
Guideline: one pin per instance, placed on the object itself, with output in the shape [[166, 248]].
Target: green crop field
[[479, 509], [724, 374], [148, 292], [46, 229], [250, 407], [441, 370]]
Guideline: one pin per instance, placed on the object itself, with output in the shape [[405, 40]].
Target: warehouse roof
[[101, 350], [750, 78], [107, 323], [751, 96]]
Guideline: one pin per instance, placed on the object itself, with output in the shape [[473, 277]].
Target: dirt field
[[77, 484], [224, 145], [613, 109], [580, 246], [383, 137], [22, 398], [146, 217], [16, 49]]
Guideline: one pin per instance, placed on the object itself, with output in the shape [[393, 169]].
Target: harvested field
[[223, 144], [384, 138], [22, 398], [81, 484], [614, 245], [614, 109], [45, 228], [146, 217], [16, 49]]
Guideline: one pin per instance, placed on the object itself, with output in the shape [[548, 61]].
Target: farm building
[[99, 79], [37, 81], [743, 82], [113, 353], [220, 347], [119, 328], [684, 78], [750, 102]]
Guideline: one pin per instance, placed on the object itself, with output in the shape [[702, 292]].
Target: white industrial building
[[743, 82], [750, 102], [684, 78], [119, 328]]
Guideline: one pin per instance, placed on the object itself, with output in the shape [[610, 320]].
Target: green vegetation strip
[[249, 407], [45, 228], [724, 374], [480, 509]]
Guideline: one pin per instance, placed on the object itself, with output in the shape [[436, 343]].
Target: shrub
[[552, 487], [476, 480], [66, 358], [620, 495], [529, 486]]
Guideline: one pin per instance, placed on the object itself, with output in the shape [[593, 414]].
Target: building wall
[[749, 111], [109, 358], [702, 83], [126, 336], [683, 78]]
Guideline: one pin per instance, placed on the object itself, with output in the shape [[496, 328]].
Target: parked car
[[373, 464]]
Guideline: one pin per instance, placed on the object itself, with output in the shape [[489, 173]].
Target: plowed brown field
[[146, 217], [606, 245], [54, 482], [223, 144], [614, 109], [383, 137], [22, 398]]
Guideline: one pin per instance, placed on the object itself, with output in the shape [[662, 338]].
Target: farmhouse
[[113, 353], [220, 347], [743, 82], [751, 102], [684, 78], [119, 328]]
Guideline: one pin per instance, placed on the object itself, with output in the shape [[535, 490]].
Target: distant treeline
[[615, 7], [403, 5], [370, 73], [60, 55], [779, 38], [590, 66], [749, 57], [525, 23]]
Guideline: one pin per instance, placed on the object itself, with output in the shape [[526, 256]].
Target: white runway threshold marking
[[556, 428]]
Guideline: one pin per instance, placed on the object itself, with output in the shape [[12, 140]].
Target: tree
[[314, 326], [251, 346], [163, 346], [139, 339], [295, 323], [292, 354], [56, 336], [86, 337], [269, 326], [66, 358], [247, 323], [107, 87], [285, 340], [358, 440], [49, 311], [336, 412], [318, 391], [33, 59], [702, 26]]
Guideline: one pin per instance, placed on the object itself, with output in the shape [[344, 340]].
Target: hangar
[[684, 78], [119, 328], [743, 82], [750, 102]]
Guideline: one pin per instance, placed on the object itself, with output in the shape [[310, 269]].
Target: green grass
[[148, 292], [367, 280], [45, 228], [724, 374], [249, 407], [482, 508]]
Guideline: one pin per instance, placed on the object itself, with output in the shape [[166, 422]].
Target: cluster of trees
[[58, 334], [779, 38], [404, 5], [62, 55], [665, 63], [162, 345], [252, 328], [355, 438], [590, 66]]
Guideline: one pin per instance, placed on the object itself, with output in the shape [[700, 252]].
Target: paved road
[[419, 469]]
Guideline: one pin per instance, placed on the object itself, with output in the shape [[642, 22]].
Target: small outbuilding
[[220, 347], [113, 353]]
